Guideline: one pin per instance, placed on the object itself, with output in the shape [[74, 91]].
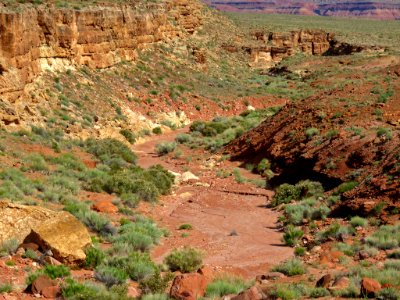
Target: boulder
[[188, 286], [105, 206], [340, 284], [65, 236], [188, 176], [43, 282], [369, 287], [253, 293], [59, 232], [324, 281]]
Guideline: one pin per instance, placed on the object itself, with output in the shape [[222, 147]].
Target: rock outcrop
[[37, 38], [59, 232]]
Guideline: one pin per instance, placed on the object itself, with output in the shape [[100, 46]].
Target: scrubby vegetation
[[185, 260], [225, 286]]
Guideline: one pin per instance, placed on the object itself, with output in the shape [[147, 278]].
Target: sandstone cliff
[[34, 39]]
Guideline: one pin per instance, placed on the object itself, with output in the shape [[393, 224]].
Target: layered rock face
[[44, 37], [280, 45], [383, 10]]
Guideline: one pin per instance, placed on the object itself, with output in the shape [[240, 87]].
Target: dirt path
[[230, 221]]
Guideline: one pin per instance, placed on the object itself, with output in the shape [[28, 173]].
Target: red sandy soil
[[215, 210]]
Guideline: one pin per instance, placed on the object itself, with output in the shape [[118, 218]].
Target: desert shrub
[[137, 266], [31, 254], [157, 130], [310, 132], [306, 209], [185, 260], [224, 286], [36, 162], [15, 184], [392, 264], [345, 187], [303, 189], [319, 292], [107, 149], [6, 288], [386, 237], [183, 138], [128, 135], [388, 294], [358, 221], [291, 267], [335, 231], [164, 148], [161, 178], [91, 219], [94, 180], [156, 283], [130, 199], [69, 161], [299, 251], [185, 227], [292, 235], [56, 271], [94, 257], [110, 275], [9, 246], [384, 132], [288, 291], [72, 290]]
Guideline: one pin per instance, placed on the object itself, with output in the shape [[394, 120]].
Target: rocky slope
[[320, 139], [384, 10]]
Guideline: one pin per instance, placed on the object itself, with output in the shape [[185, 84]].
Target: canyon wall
[[383, 10], [35, 39]]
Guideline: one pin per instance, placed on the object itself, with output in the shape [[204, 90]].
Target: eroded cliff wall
[[35, 39]]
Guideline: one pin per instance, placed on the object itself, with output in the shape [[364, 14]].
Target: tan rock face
[[36, 39], [60, 232], [285, 44]]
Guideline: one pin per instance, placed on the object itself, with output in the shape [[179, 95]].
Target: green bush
[[388, 294], [6, 288], [72, 290], [334, 231], [292, 235], [345, 187], [319, 292], [9, 247], [36, 162], [285, 193], [288, 291], [299, 251], [183, 138], [225, 286], [56, 271], [185, 227], [94, 257], [164, 148], [107, 149], [31, 254], [386, 237], [291, 267], [110, 275], [395, 254], [157, 130], [130, 199], [128, 135], [358, 221], [156, 283], [310, 132], [185, 260]]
